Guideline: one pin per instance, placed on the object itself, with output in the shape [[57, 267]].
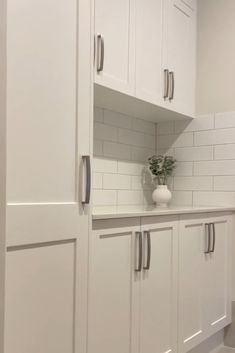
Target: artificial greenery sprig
[[161, 167]]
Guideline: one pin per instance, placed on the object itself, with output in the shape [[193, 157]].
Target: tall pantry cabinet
[[49, 101]]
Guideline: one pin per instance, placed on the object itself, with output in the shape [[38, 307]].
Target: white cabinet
[[132, 303], [48, 123], [147, 49], [159, 284], [181, 55], [114, 286], [204, 278], [150, 51], [115, 51], [217, 275], [158, 303]]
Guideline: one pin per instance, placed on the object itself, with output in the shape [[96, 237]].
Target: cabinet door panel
[[191, 257], [158, 321], [111, 294], [39, 294], [114, 20], [150, 36], [217, 295], [182, 55]]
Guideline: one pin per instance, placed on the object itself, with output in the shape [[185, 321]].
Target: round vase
[[162, 196]]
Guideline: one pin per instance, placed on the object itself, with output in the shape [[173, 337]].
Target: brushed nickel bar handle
[[86, 160], [148, 237], [100, 53], [213, 233], [140, 251], [166, 83], [172, 85], [208, 233]]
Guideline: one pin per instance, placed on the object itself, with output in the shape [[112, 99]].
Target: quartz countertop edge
[[130, 212]]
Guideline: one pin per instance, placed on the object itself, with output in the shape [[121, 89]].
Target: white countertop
[[137, 211]]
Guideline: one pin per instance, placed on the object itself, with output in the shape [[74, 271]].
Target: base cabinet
[[133, 289], [204, 278], [158, 284]]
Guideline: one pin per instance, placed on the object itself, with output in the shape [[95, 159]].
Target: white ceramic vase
[[162, 196]]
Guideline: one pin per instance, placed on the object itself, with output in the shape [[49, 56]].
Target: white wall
[[2, 161], [216, 56]]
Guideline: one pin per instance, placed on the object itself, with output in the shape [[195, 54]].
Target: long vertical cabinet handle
[[138, 267], [87, 176], [172, 85], [148, 237], [208, 234], [100, 53], [166, 83], [212, 225]]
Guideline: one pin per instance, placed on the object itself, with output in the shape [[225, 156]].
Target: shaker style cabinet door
[[191, 266], [181, 52], [113, 291], [151, 51], [217, 275], [114, 44], [47, 133], [158, 313]]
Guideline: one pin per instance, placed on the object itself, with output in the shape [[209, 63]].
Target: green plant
[[161, 167]]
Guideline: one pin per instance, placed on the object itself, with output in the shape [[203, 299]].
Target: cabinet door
[[113, 291], [150, 59], [218, 277], [181, 53], [47, 132], [191, 268], [114, 21], [158, 314]]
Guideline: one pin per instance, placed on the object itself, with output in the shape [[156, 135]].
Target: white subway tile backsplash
[[98, 115], [128, 197], [223, 120], [202, 122], [213, 198], [169, 141], [184, 169], [141, 183], [193, 183], [194, 153], [117, 119], [224, 183], [104, 197], [101, 165], [180, 198], [122, 145], [116, 182], [98, 148], [105, 132], [214, 137], [116, 150], [97, 180], [130, 168], [214, 168], [139, 154], [204, 149], [143, 126], [225, 151], [165, 128], [135, 138]]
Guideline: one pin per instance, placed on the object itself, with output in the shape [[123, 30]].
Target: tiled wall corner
[[122, 145], [205, 153]]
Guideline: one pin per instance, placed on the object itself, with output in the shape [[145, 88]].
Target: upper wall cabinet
[[147, 50], [181, 55], [150, 50], [115, 50]]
